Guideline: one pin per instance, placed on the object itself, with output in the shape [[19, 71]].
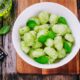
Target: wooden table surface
[[8, 67]]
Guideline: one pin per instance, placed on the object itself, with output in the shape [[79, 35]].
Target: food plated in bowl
[[46, 37]]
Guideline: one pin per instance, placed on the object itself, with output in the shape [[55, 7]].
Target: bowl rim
[[44, 66]]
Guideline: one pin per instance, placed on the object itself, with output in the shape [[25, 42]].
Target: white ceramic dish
[[55, 9]]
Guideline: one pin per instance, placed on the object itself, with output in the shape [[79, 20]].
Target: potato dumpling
[[37, 53], [60, 29], [43, 17], [24, 47], [33, 33], [58, 42], [61, 53], [69, 37], [51, 52], [53, 19], [42, 32], [29, 39], [49, 42], [23, 30], [37, 44], [42, 27]]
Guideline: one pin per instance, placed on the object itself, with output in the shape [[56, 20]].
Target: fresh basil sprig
[[5, 7]]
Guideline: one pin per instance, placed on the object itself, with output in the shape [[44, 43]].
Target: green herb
[[42, 38], [5, 7], [42, 60], [67, 47], [31, 24], [62, 20], [4, 30], [51, 34]]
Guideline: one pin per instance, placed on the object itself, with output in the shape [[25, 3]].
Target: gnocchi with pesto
[[46, 38]]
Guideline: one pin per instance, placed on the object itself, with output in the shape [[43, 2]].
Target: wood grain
[[1, 46], [72, 67], [40, 77], [9, 65]]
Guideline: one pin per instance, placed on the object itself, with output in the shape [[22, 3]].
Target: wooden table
[[8, 67]]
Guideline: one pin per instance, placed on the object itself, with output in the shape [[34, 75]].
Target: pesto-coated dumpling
[[61, 53], [41, 27], [33, 33], [51, 52], [49, 42], [36, 19], [69, 37], [29, 39], [23, 30], [60, 29], [53, 19], [24, 47], [42, 32], [43, 17], [51, 60], [58, 42], [37, 53], [37, 44]]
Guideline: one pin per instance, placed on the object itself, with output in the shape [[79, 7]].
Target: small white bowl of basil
[[46, 35]]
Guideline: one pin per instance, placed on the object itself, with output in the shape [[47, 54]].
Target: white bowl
[[53, 8]]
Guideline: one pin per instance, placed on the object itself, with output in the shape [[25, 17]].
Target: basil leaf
[[62, 20], [42, 60], [5, 7], [51, 34], [42, 38], [4, 30], [67, 47], [31, 24]]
